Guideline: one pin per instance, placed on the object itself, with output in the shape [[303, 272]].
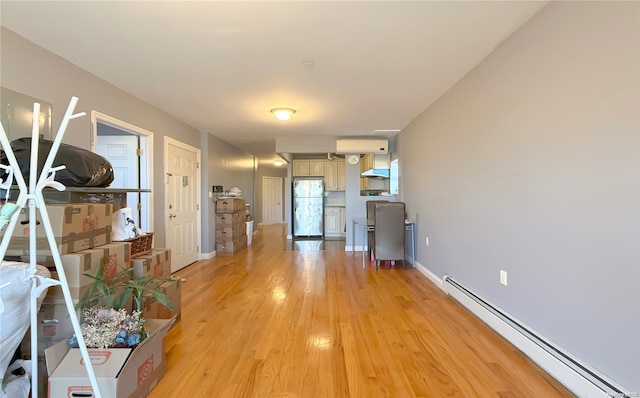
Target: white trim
[[564, 374], [146, 145], [171, 141], [355, 248], [430, 275], [207, 256], [557, 369]]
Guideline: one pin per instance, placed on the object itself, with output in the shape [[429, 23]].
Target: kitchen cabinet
[[366, 163], [341, 176], [334, 172], [316, 168], [372, 183], [332, 221], [331, 176], [335, 221], [334, 175], [300, 168], [364, 183], [373, 161], [308, 168]]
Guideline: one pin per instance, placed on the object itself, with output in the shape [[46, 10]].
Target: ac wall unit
[[362, 146]]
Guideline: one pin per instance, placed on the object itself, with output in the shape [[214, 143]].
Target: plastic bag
[[84, 168], [17, 386], [15, 292], [122, 225]]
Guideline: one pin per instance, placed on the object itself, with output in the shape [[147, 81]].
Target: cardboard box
[[230, 205], [121, 372], [156, 264], [75, 226], [229, 248], [230, 232], [113, 258], [54, 322], [153, 309], [229, 219]]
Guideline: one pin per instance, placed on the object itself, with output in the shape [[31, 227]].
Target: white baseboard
[[430, 275], [562, 372], [557, 369], [207, 256], [355, 248]]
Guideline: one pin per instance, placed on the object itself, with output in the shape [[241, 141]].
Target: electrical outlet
[[503, 277], [426, 241]]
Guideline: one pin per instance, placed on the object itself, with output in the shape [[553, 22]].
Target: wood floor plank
[[273, 321]]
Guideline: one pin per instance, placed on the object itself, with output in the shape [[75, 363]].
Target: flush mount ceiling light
[[283, 113]]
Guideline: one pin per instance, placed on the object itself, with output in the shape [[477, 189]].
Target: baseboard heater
[[575, 375]]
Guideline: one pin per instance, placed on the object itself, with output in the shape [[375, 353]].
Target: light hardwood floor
[[277, 322]]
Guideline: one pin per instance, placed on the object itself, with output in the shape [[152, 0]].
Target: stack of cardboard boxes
[[83, 237], [231, 235]]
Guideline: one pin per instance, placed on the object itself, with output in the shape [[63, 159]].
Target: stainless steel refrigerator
[[308, 207]]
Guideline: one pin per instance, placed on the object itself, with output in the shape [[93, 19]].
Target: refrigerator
[[308, 207]]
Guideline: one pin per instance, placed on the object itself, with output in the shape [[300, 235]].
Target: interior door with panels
[[182, 212]]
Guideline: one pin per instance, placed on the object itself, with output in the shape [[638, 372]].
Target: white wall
[[530, 164], [230, 167], [36, 72]]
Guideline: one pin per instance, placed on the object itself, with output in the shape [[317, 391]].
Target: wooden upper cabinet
[[316, 168], [335, 175], [331, 176], [300, 168], [366, 163], [341, 176], [333, 172]]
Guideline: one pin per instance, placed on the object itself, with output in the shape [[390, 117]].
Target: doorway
[[182, 202], [271, 200], [128, 149]]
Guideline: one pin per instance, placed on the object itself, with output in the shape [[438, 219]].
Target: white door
[[271, 200], [114, 139], [182, 208], [122, 153]]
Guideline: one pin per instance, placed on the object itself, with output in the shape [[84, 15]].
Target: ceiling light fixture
[[278, 163], [283, 113]]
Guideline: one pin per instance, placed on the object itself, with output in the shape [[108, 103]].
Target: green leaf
[[122, 299], [162, 298]]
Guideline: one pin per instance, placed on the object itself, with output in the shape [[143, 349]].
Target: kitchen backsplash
[[335, 198]]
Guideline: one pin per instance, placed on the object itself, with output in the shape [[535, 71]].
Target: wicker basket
[[140, 245]]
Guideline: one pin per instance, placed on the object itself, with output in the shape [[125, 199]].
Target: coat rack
[[32, 198]]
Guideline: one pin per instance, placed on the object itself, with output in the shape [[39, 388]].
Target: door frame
[[171, 141], [281, 199], [146, 160]]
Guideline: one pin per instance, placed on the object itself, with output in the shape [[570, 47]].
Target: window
[[393, 177]]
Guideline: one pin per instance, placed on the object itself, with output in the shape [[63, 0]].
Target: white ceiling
[[220, 66]]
